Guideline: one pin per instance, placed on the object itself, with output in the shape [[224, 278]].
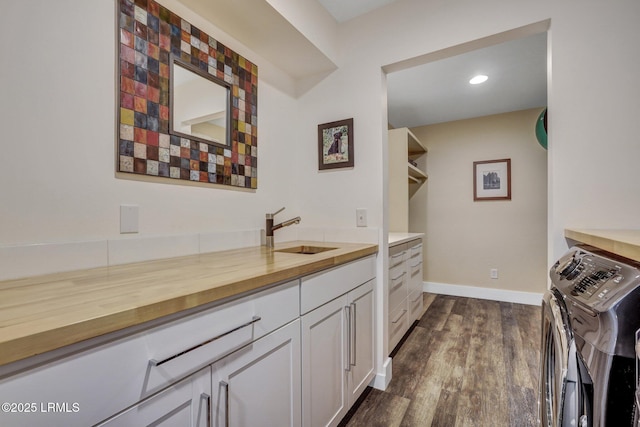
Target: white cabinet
[[185, 404], [406, 175], [405, 289], [337, 343], [324, 364], [414, 272], [397, 294], [337, 355], [260, 385], [299, 353], [108, 378], [361, 338]]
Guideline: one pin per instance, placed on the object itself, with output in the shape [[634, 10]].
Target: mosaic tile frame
[[148, 33]]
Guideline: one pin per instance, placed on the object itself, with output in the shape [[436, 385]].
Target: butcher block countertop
[[625, 243], [43, 313]]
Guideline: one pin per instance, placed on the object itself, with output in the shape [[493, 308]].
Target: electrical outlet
[[128, 219], [493, 273], [361, 217]]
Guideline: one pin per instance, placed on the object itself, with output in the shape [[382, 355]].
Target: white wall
[[593, 109], [58, 102], [594, 101], [467, 238]]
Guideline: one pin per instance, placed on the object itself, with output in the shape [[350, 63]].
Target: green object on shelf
[[541, 129]]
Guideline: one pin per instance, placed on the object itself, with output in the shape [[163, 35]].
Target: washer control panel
[[593, 277]]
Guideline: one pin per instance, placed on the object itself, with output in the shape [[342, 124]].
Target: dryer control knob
[[567, 264]]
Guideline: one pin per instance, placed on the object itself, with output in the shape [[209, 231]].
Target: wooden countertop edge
[[32, 344], [625, 243]]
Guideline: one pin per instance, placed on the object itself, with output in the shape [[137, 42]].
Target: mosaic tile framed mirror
[[163, 61]]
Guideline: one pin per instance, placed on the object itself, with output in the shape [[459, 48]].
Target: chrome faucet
[[270, 228]]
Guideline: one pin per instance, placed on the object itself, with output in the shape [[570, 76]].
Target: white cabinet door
[[337, 355], [260, 385], [187, 403], [361, 339], [324, 362]]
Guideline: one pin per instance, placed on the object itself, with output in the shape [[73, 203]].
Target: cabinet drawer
[[320, 288], [415, 304], [415, 275], [108, 378], [415, 249], [397, 255], [397, 286], [398, 325]]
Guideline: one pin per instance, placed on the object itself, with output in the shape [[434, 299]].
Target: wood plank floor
[[467, 362]]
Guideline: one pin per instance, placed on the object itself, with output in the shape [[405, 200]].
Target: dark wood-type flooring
[[467, 362]]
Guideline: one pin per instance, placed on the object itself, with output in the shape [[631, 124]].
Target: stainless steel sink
[[305, 250]]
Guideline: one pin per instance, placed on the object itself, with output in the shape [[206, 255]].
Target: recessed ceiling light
[[480, 78]]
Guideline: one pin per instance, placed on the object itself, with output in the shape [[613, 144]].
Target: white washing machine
[[588, 360]]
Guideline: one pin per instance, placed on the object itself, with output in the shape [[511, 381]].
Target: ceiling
[[435, 92], [344, 10], [439, 91]]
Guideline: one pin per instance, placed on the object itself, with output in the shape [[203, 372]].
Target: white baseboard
[[519, 297], [381, 380]]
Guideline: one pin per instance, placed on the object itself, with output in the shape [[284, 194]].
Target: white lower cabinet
[[185, 404], [261, 360], [337, 356], [405, 289], [414, 269], [259, 385]]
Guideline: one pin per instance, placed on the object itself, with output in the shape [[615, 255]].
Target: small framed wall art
[[492, 180], [335, 145]]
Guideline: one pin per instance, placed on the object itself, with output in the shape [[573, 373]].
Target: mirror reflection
[[200, 105]]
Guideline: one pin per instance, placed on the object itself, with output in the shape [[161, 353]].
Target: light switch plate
[[361, 217], [128, 219]]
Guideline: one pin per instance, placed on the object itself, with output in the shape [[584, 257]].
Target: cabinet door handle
[[347, 313], [352, 354], [155, 362], [225, 386], [208, 398]]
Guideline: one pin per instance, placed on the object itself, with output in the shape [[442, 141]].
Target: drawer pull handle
[[417, 264], [393, 262], [399, 316], [415, 273], [225, 385], [393, 279], [155, 362]]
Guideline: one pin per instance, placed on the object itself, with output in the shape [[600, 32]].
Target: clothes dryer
[[589, 320]]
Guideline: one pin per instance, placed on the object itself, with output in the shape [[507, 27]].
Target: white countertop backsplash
[[18, 261]]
